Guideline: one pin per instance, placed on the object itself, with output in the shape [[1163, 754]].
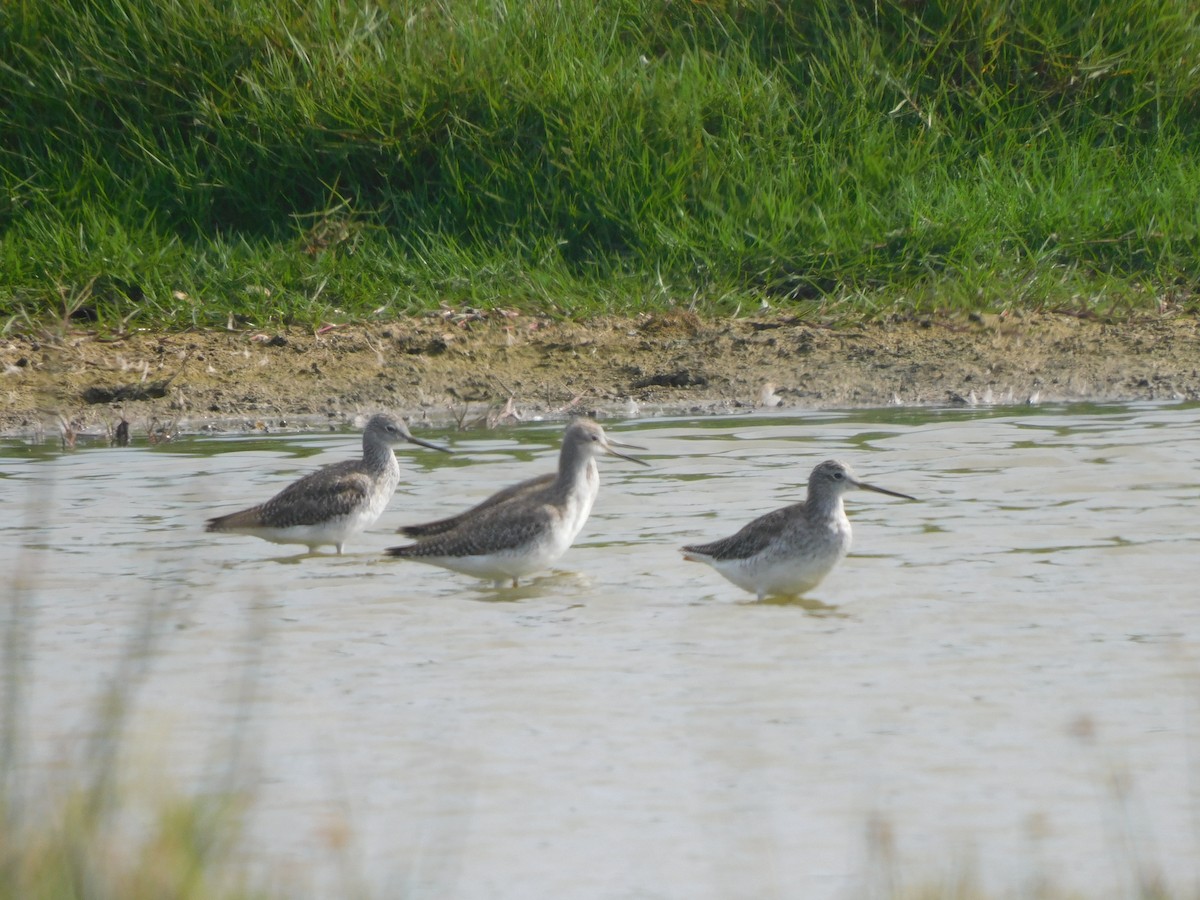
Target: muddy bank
[[500, 367]]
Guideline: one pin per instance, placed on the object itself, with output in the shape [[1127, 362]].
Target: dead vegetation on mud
[[495, 368]]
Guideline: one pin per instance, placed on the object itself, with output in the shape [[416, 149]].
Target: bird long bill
[[417, 440], [879, 490], [610, 444]]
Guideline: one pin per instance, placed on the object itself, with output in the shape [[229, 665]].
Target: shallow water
[[1000, 680]]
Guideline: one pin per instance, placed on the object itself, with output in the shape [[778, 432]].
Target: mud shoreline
[[497, 368]]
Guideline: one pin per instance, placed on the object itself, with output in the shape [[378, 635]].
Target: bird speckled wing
[[328, 493], [488, 533], [441, 526], [751, 540]]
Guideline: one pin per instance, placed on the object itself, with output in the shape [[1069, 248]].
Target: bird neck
[[377, 454], [823, 505], [573, 465]]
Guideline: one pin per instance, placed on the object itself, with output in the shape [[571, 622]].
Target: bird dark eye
[[838, 476]]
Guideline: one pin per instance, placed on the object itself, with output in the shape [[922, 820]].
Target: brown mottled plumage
[[441, 526], [789, 551], [522, 528], [333, 503]]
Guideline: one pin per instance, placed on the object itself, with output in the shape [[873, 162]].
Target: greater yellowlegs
[[335, 502], [525, 527], [789, 551]]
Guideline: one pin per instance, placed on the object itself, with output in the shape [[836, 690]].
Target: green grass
[[192, 162]]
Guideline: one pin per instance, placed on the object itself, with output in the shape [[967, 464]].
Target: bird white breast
[[339, 530], [377, 501], [538, 553], [505, 564], [791, 573], [578, 507], [331, 531]]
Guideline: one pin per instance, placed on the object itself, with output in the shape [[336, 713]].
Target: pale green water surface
[[975, 682]]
